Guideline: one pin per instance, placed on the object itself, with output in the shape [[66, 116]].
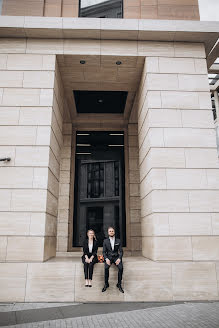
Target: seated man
[[112, 253]]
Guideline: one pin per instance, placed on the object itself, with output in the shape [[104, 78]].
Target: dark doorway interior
[[99, 185], [100, 101]]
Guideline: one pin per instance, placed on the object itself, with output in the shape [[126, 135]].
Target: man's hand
[[118, 261], [108, 261]]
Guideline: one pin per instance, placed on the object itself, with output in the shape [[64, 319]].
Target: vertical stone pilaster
[[134, 192], [64, 190]]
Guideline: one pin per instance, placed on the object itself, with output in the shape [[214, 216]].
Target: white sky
[[209, 10]]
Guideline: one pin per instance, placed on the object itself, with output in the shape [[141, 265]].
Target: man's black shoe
[[120, 288], [105, 288]]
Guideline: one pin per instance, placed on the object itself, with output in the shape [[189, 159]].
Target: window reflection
[[96, 173], [101, 8], [95, 180]]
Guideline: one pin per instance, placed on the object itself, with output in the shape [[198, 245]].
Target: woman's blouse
[[90, 245]]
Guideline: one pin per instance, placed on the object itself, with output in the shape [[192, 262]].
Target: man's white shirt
[[112, 242]]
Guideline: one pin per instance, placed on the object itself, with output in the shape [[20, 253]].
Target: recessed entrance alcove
[[103, 149]]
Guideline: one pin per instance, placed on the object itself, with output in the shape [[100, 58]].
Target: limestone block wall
[[134, 191], [162, 9], [30, 133], [51, 8], [179, 167], [140, 9], [177, 151], [23, 7], [61, 8]]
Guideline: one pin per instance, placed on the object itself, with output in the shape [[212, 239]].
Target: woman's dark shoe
[[86, 285], [90, 285]]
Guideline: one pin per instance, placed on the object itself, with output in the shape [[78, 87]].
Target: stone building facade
[[138, 9], [170, 151]]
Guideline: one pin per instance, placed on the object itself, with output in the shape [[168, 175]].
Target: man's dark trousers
[[120, 270]]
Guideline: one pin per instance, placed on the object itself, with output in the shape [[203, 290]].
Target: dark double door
[[99, 193]]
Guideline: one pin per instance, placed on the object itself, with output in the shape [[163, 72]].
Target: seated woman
[[89, 257]]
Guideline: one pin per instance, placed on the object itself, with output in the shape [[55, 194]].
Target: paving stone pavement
[[8, 307], [183, 315]]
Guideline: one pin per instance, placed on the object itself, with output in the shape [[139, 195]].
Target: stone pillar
[[179, 168], [134, 192], [64, 190], [31, 135]]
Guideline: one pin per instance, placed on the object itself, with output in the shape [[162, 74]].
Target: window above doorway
[[101, 8], [103, 102]]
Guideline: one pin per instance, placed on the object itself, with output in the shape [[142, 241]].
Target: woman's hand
[[108, 262], [87, 260]]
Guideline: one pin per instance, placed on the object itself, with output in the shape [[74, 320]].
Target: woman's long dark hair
[[93, 232]]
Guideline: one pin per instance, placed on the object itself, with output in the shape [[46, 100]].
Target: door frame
[[97, 127]]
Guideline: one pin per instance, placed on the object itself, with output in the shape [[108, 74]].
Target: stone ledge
[[62, 280], [117, 29]]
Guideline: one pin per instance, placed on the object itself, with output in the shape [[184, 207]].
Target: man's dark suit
[[113, 255]]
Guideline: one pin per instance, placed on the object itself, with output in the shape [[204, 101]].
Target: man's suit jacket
[[86, 250], [108, 253]]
